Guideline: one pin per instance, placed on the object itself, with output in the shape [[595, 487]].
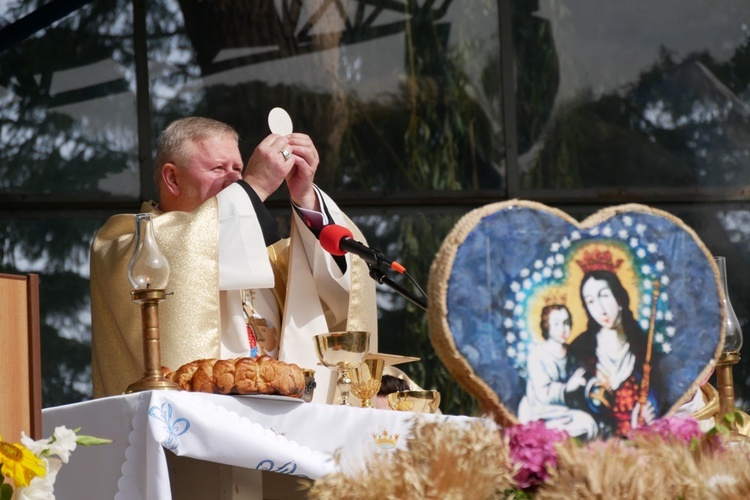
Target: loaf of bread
[[262, 375]]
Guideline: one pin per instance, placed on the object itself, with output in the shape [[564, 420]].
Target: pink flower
[[683, 429], [532, 447]]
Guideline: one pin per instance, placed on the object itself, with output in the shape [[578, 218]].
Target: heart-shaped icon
[[593, 327]]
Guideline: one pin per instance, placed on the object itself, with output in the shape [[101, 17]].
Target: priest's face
[[212, 164]]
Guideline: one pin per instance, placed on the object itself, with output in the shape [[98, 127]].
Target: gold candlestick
[[152, 378], [725, 382]]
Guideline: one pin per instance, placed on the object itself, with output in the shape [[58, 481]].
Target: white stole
[[303, 319]]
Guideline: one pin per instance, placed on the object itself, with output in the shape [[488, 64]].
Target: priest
[[238, 288]]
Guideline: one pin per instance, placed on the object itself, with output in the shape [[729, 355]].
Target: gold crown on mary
[[598, 260], [386, 439]]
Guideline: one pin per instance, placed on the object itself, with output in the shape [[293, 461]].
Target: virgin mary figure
[[612, 351]]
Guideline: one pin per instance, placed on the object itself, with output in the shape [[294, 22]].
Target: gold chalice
[[366, 380], [342, 351], [416, 401]]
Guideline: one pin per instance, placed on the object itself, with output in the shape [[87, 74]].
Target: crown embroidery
[[598, 260], [385, 440]]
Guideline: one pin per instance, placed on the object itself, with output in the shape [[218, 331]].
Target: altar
[[239, 435]]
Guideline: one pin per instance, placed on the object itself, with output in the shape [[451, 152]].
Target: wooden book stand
[[20, 358]]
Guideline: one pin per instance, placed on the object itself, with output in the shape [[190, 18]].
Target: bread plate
[[276, 397]]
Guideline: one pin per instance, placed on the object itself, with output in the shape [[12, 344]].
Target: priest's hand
[[300, 178], [292, 158], [269, 165]]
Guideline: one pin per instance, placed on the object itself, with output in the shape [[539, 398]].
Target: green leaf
[[694, 443], [91, 440], [6, 492], [518, 494], [739, 418]]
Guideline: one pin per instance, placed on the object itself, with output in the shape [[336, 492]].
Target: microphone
[[338, 240]]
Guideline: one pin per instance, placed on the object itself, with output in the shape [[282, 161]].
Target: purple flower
[[532, 447]]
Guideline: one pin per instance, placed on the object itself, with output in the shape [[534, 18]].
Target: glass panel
[[396, 95], [58, 250], [13, 10], [635, 94], [67, 106]]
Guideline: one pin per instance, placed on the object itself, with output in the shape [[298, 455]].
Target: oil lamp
[[148, 273], [730, 353]]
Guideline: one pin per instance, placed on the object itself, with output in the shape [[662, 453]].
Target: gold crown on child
[[555, 299]]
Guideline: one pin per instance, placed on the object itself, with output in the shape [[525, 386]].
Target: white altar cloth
[[251, 432]]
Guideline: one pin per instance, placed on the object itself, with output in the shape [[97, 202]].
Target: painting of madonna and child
[[594, 328]]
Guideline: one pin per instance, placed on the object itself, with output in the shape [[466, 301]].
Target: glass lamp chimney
[[148, 268], [733, 333]]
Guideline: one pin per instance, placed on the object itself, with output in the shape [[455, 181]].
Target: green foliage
[[6, 491], [726, 424], [516, 494]]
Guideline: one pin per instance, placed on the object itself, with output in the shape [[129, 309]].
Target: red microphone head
[[330, 238]]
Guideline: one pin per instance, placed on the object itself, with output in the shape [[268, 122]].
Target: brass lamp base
[[152, 380], [152, 384], [725, 383]]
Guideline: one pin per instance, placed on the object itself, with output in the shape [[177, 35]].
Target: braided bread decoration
[[262, 375]]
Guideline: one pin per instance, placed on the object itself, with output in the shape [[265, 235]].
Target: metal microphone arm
[[378, 275]]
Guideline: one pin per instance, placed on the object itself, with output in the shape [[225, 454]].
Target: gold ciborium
[[366, 380], [416, 401], [342, 351]]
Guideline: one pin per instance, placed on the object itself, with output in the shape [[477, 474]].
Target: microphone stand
[[378, 275]]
